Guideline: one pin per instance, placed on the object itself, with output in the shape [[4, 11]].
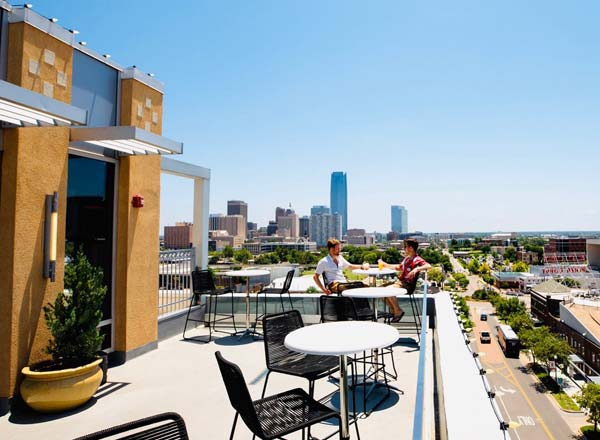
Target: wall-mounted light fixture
[[50, 236]]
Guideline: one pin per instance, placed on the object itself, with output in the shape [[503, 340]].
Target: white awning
[[23, 108], [126, 140]]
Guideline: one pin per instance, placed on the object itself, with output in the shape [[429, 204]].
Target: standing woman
[[408, 270]]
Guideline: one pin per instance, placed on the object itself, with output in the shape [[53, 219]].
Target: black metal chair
[[281, 360], [204, 284], [274, 416], [282, 291], [411, 287], [162, 426]]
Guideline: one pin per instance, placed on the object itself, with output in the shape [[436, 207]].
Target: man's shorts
[[339, 286]]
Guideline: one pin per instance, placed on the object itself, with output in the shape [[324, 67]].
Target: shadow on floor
[[21, 414]]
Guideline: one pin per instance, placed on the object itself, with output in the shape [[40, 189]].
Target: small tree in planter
[[73, 375], [74, 317]]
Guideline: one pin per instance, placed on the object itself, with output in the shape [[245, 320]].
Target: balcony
[[443, 389]]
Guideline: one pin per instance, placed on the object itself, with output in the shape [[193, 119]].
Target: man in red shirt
[[408, 270]]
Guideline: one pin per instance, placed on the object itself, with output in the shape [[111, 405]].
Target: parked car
[[483, 317], [485, 338]]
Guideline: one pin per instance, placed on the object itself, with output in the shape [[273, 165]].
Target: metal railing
[[420, 420], [175, 280]]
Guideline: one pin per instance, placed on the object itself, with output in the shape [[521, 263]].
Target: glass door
[[90, 223]]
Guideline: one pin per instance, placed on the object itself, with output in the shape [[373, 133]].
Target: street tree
[[228, 252], [520, 266], [507, 307], [474, 266], [435, 274], [510, 254], [520, 321], [242, 256], [589, 398]]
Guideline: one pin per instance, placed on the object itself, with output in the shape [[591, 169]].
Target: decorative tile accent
[[48, 89], [61, 79], [147, 126], [148, 103], [155, 117], [34, 67], [140, 110], [49, 57]]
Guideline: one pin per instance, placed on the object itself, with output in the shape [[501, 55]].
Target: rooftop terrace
[[182, 376]]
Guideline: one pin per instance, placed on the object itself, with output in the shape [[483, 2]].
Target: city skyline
[[479, 119]]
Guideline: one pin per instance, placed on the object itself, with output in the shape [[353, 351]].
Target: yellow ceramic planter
[[54, 391]]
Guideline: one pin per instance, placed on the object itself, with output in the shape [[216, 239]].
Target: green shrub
[[74, 317]]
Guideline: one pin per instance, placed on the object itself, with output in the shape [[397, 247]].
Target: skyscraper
[[319, 209], [399, 219], [304, 223], [339, 197], [237, 207], [324, 227]]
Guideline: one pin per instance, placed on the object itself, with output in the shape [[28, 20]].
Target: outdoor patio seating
[[161, 426], [414, 306], [274, 416], [281, 291], [280, 359], [341, 308], [204, 284]]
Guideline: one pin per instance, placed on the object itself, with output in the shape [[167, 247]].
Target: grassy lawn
[[588, 431], [352, 276], [308, 272], [560, 396]]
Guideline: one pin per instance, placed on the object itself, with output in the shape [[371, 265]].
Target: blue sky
[[474, 115]]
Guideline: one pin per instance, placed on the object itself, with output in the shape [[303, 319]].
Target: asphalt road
[[530, 413]]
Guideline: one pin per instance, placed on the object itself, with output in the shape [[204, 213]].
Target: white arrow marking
[[508, 390]]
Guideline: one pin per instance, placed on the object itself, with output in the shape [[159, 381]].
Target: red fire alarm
[[137, 201]]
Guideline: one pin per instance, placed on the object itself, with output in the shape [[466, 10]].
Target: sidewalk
[[574, 419]]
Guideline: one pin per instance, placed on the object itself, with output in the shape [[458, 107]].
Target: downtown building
[[339, 197], [237, 207], [325, 226], [399, 219], [178, 236]]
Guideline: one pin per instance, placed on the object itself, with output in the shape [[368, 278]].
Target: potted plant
[[73, 374]]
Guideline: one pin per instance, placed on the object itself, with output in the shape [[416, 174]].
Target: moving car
[[483, 317], [485, 338]]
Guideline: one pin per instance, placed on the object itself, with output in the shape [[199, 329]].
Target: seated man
[[408, 271], [331, 267]]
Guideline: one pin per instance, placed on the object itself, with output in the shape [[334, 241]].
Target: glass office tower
[[399, 219], [339, 197]]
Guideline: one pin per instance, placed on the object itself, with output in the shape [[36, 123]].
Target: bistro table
[[373, 273], [247, 273], [341, 339], [374, 293]]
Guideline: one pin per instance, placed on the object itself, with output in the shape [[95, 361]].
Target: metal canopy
[[23, 108], [126, 140]]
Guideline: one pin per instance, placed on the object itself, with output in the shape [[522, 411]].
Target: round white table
[[341, 339], [247, 273], [373, 273], [374, 293]]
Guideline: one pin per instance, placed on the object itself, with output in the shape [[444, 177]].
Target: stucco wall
[[34, 164], [136, 298], [133, 99], [27, 44]]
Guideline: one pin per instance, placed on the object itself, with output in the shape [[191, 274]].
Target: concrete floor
[[183, 377]]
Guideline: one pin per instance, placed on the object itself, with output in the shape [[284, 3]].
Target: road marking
[[535, 411], [526, 420], [511, 424], [508, 390]]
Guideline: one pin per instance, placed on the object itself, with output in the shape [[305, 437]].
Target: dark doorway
[[90, 219]]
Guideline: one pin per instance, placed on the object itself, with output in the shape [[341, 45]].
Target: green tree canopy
[[520, 321], [474, 266], [242, 256], [589, 398], [520, 266], [435, 274], [510, 254], [228, 252], [507, 307]]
